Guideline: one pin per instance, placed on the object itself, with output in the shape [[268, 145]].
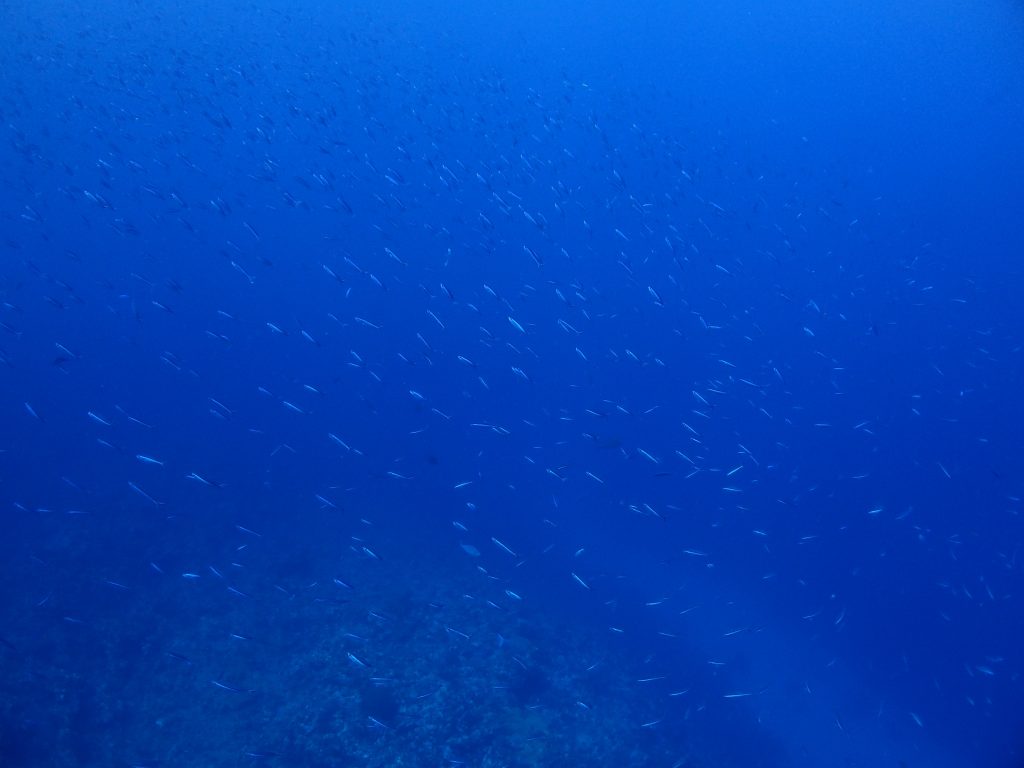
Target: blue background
[[783, 241]]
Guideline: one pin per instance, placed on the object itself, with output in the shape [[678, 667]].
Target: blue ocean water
[[424, 384]]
